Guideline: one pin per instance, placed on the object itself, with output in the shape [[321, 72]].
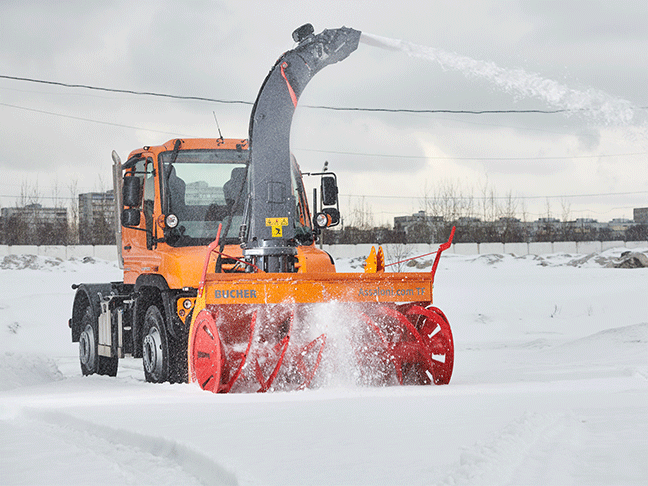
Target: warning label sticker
[[277, 225]]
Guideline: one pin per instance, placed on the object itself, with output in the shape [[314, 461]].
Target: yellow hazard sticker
[[277, 225]]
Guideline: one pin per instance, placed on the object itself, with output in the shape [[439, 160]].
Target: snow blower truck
[[223, 282]]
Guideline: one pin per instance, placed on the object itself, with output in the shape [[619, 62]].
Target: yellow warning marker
[[277, 225], [372, 262], [375, 261]]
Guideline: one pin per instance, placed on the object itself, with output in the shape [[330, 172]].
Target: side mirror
[[132, 192], [130, 217], [329, 190], [333, 214]]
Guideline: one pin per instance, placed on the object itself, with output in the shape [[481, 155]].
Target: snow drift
[[550, 387]]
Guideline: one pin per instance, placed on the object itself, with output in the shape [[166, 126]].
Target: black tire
[[164, 358], [89, 358], [179, 364], [155, 347]]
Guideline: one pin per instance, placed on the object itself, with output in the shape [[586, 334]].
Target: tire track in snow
[[526, 441], [133, 457]]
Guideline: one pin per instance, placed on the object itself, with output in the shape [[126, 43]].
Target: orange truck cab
[[181, 199]]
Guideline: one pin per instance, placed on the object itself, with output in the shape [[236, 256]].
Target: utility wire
[[487, 198], [242, 102], [457, 112], [88, 119], [126, 91], [337, 152], [400, 156], [423, 198]]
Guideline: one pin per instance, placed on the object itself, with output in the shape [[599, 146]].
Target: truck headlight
[[171, 221], [322, 220]]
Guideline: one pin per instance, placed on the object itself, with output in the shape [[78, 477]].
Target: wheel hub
[[152, 352], [86, 347]]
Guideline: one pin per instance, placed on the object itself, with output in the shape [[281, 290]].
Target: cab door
[[138, 231]]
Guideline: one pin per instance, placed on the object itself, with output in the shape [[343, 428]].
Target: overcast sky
[[585, 55]]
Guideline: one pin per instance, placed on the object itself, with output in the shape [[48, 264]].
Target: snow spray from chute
[[593, 103]]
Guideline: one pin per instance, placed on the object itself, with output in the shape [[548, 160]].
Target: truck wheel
[[91, 362], [155, 347], [88, 350], [179, 372]]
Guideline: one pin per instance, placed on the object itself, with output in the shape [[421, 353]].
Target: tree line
[[484, 232], [487, 218], [30, 222], [17, 230]]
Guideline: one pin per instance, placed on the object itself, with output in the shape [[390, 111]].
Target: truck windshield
[[203, 188]]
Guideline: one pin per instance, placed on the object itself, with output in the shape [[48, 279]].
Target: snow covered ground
[[550, 387]]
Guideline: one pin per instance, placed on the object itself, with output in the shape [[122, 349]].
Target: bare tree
[[489, 207], [29, 194], [396, 253], [57, 201], [524, 216], [510, 230], [448, 200], [73, 222], [567, 229], [446, 204], [548, 214], [361, 215], [547, 231], [16, 230], [566, 210], [22, 226]]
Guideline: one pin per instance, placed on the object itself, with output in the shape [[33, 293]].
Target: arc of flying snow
[[594, 103]]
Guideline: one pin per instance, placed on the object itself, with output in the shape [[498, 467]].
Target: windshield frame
[[210, 156]]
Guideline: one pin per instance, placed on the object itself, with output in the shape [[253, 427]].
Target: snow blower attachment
[[254, 331]]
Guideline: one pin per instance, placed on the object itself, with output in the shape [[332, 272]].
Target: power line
[[36, 198], [423, 198], [243, 102], [401, 156], [479, 198], [87, 119], [338, 152], [126, 91], [457, 112]]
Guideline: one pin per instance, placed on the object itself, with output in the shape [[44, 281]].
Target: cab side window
[[149, 199], [144, 172]]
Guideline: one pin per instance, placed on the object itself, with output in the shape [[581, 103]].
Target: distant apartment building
[[406, 223], [96, 218], [36, 214], [33, 224], [418, 226], [640, 215]]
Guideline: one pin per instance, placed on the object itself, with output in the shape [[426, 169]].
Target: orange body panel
[[182, 267], [312, 288]]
